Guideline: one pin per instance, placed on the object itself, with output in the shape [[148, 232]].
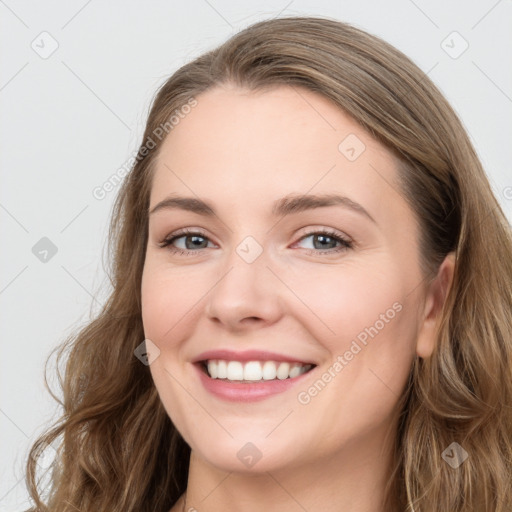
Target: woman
[[312, 295]]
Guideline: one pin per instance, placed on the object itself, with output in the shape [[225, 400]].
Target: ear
[[434, 301]]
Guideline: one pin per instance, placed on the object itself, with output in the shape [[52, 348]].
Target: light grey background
[[71, 119]]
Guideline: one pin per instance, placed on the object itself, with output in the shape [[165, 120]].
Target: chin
[[245, 457]]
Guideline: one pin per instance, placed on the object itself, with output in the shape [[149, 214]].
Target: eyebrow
[[282, 207]]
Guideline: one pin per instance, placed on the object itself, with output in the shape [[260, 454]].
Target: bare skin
[[304, 295]]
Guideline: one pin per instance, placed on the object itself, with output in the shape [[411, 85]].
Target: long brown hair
[[117, 449]]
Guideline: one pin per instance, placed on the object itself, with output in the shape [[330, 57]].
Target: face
[[307, 310]]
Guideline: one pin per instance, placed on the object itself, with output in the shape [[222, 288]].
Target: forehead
[[242, 148], [237, 123]]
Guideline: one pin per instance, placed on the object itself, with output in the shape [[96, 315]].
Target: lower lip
[[247, 392]]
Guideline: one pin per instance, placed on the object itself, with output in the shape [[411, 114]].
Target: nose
[[247, 296]]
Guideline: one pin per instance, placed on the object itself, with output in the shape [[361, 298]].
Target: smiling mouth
[[253, 371]]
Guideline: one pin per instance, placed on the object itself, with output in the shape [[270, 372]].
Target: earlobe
[[434, 302]]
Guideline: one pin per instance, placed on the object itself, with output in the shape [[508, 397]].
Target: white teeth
[[222, 370], [235, 371], [212, 369], [252, 370], [283, 371], [255, 370], [295, 370], [269, 370]]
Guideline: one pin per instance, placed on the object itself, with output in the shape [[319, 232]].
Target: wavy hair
[[117, 449]]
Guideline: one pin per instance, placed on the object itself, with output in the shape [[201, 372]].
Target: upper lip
[[247, 355]]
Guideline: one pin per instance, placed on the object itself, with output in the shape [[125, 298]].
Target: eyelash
[[345, 244]]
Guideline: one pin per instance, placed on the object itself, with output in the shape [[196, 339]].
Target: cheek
[[366, 320], [371, 352], [168, 298], [349, 302]]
